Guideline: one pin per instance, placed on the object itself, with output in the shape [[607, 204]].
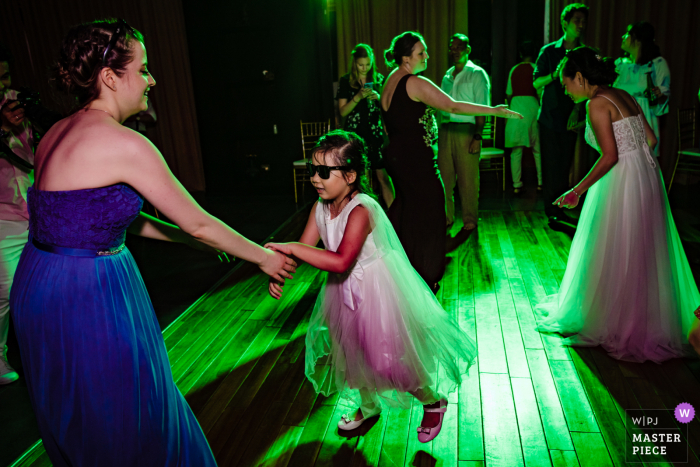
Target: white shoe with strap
[[7, 373]]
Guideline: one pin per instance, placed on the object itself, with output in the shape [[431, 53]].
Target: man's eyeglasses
[[122, 27], [324, 171]]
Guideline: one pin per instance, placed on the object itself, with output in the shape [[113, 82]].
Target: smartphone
[[369, 85]]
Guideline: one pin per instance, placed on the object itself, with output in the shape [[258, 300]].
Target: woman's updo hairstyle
[[597, 69], [401, 46], [347, 149], [80, 57], [644, 33]]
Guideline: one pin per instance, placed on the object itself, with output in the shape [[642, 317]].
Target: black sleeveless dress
[[418, 212]]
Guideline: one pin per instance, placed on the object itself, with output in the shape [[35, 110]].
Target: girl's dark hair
[[80, 57], [361, 51], [526, 49], [644, 33], [347, 149], [401, 46], [596, 68]]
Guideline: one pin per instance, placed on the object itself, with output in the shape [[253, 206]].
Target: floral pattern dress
[[365, 119]]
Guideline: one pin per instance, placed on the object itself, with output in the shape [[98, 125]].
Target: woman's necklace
[[90, 108]]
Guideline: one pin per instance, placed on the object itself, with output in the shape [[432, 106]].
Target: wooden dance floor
[[238, 356]]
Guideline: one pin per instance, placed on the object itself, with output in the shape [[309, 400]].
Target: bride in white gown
[[628, 286]]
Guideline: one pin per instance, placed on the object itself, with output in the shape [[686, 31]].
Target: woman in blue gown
[[95, 362]]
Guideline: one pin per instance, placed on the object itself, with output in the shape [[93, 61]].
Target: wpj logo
[[658, 435]]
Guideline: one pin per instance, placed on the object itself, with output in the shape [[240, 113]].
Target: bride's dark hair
[[592, 65], [347, 149]]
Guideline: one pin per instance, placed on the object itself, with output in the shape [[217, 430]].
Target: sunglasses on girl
[[324, 171]]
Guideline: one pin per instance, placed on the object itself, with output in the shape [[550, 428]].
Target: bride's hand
[[503, 112], [567, 200]]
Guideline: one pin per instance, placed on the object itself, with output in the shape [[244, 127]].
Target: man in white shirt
[[459, 143]]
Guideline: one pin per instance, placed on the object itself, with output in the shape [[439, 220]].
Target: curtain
[[377, 22], [677, 35], [34, 29]]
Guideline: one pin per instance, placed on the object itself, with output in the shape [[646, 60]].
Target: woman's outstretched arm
[[425, 91], [142, 166]]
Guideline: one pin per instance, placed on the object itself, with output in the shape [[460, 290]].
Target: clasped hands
[[275, 286]]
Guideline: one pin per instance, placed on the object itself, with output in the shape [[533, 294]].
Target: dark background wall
[[231, 44]]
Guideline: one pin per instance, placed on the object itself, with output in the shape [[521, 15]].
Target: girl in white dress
[[627, 286], [376, 323]]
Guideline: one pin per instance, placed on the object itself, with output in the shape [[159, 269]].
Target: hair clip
[[599, 57]]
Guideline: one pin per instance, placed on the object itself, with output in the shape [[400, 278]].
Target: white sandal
[[346, 423], [428, 434]]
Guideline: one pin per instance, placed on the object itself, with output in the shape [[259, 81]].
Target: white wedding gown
[[627, 286]]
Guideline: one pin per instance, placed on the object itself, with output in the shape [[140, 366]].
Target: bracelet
[[697, 313], [574, 192]]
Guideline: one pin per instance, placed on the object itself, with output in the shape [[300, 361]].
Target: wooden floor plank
[[501, 438], [532, 437], [306, 451], [591, 450], [218, 371], [574, 401], [280, 453], [611, 425], [336, 450], [393, 449], [564, 458], [551, 412], [369, 446], [471, 433], [492, 355]]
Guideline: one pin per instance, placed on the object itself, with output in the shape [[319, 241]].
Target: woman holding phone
[[357, 96]]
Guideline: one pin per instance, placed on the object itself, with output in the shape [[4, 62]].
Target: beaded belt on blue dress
[[59, 250]]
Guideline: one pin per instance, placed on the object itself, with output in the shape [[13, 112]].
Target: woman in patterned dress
[[358, 92]]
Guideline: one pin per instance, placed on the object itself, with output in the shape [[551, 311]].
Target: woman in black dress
[[358, 92], [408, 103]]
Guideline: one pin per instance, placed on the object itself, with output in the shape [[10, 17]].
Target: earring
[[580, 85]]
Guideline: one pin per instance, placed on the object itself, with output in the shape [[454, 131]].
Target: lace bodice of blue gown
[[94, 218], [94, 358]]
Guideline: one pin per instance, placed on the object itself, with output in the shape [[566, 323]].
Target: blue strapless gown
[[94, 357]]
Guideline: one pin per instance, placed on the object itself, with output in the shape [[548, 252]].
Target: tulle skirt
[[96, 366], [397, 344], [628, 285]]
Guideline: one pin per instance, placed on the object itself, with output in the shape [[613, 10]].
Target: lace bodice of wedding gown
[[629, 136]]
